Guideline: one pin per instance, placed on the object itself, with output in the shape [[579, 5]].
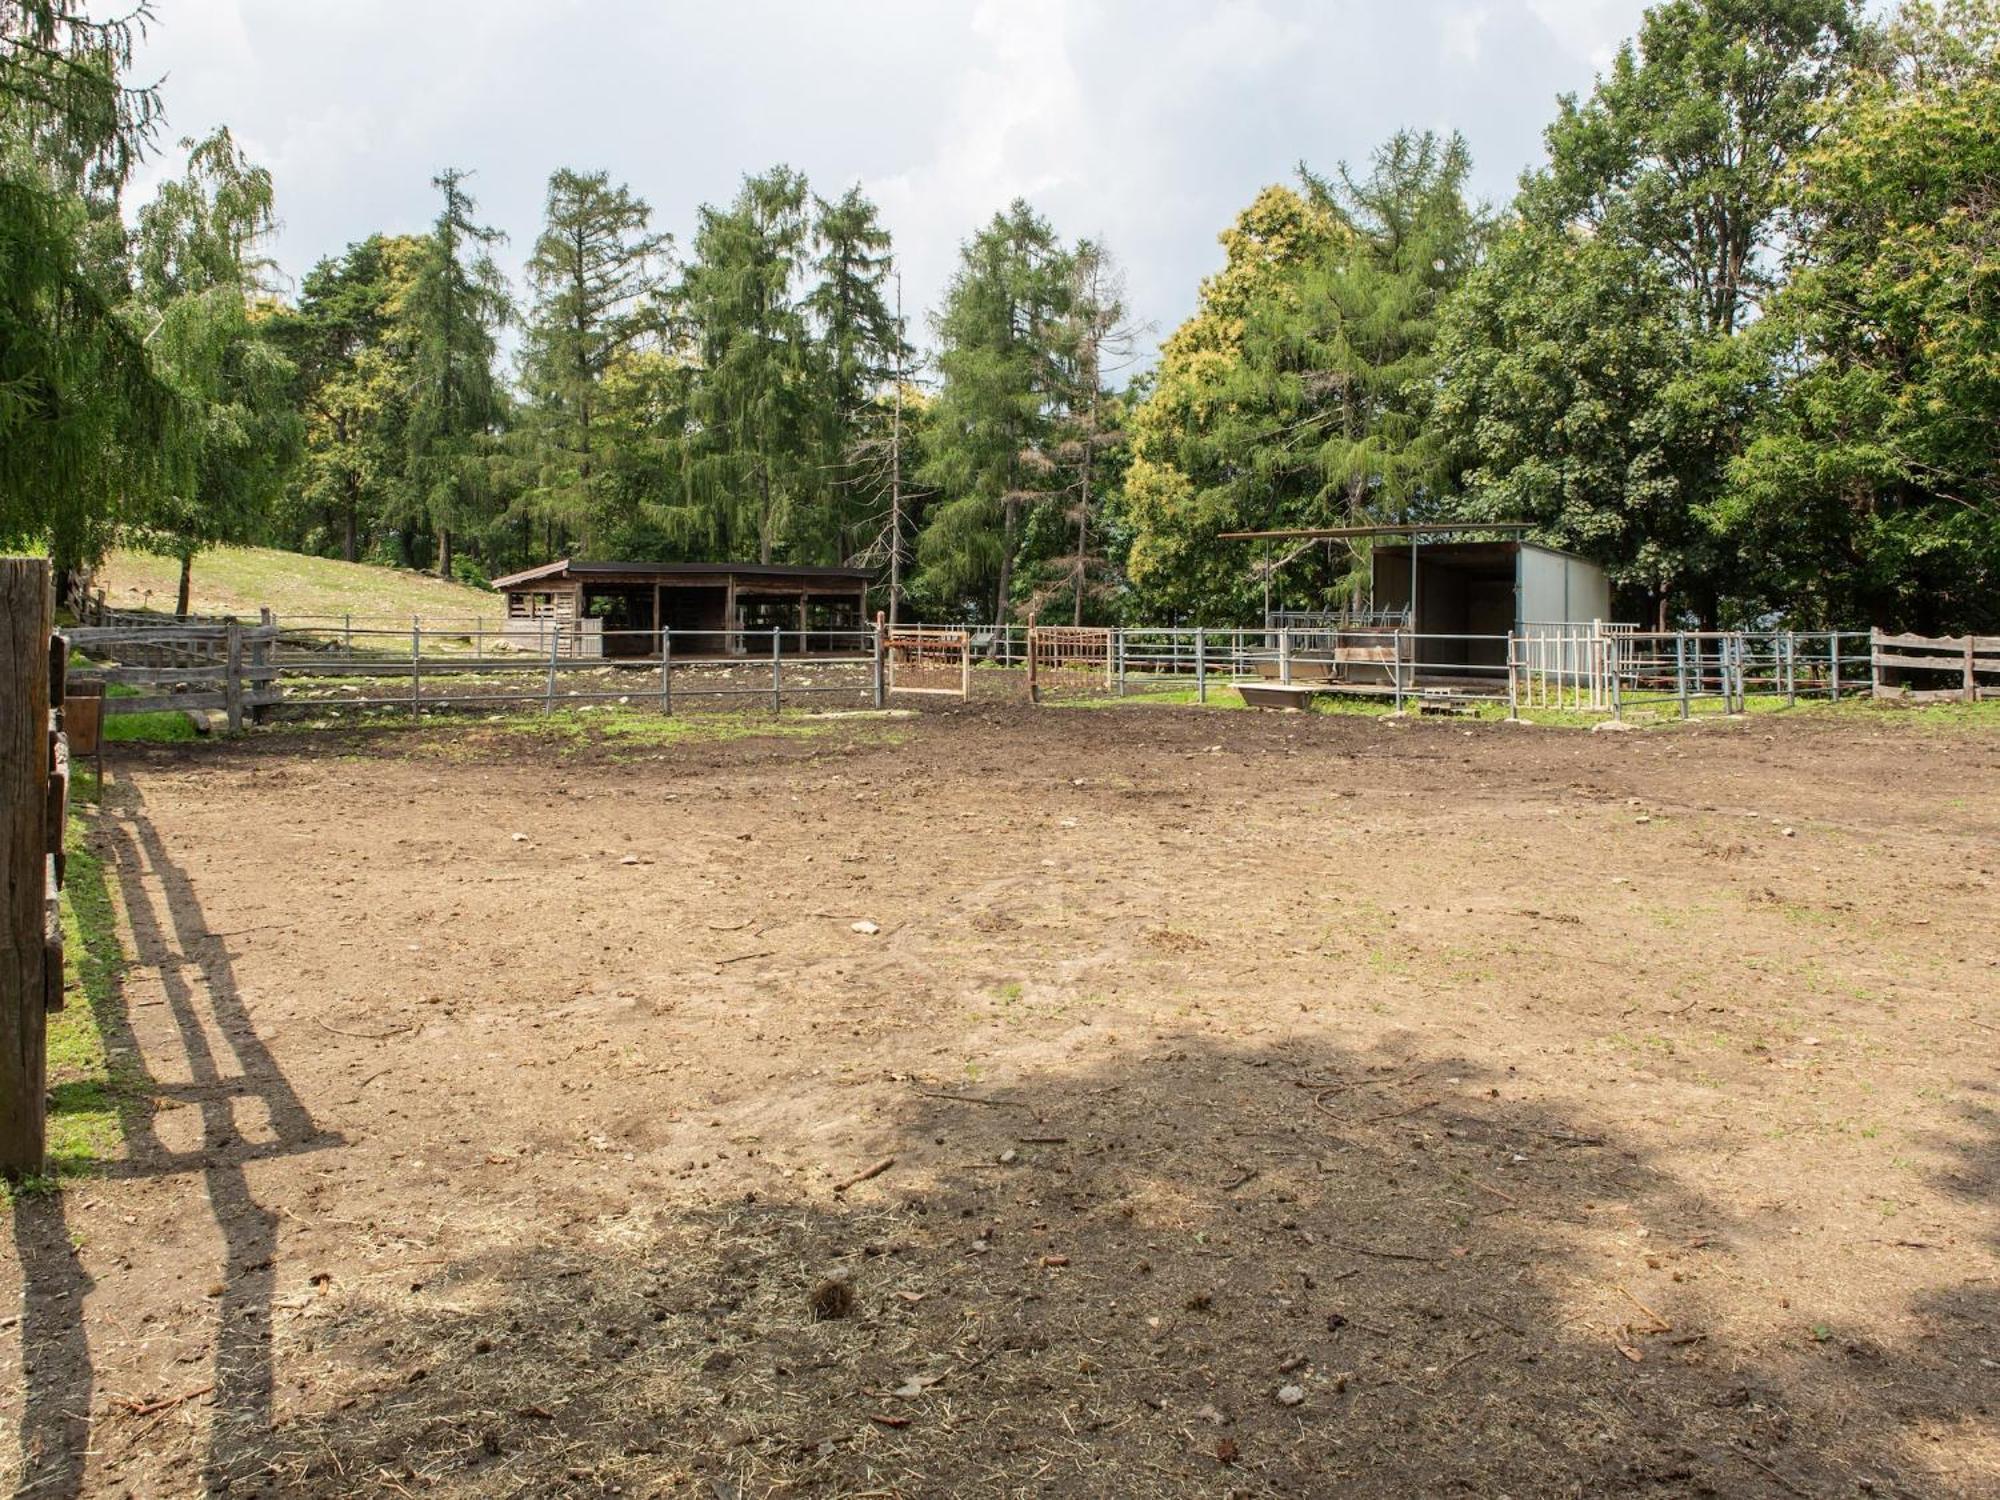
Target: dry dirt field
[[1263, 1105]]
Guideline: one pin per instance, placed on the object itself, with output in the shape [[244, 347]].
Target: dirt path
[[1277, 1106]]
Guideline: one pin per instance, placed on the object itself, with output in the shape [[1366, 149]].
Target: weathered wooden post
[[27, 610], [1971, 670], [232, 673], [1034, 664], [1200, 665], [879, 667]]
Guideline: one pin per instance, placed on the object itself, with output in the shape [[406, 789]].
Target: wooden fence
[[1929, 657], [34, 809]]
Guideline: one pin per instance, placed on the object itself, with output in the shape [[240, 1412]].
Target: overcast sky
[[1146, 123]]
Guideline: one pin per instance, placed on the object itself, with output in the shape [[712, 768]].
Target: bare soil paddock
[[1277, 1106]]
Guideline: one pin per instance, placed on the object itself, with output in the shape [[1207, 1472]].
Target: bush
[[468, 571]]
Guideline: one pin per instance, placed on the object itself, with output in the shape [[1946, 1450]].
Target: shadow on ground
[[171, 935]]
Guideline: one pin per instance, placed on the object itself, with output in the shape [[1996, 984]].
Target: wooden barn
[[617, 609]]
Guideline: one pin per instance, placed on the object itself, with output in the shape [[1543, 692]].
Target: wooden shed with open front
[[617, 609]]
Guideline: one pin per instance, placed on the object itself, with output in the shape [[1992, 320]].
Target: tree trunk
[[1083, 529], [764, 518], [187, 586], [1005, 591], [444, 552]]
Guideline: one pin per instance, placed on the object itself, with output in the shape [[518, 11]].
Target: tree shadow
[[1209, 1268], [171, 936]]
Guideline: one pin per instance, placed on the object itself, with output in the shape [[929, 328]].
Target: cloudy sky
[[1147, 123]]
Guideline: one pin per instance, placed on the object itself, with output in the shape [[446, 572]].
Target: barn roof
[[566, 569]]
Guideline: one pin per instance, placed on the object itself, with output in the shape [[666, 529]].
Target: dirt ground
[[1263, 1105]]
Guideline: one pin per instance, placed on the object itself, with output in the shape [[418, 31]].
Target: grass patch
[[1219, 696], [93, 1085], [239, 580]]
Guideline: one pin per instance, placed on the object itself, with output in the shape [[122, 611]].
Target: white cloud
[[1146, 122]]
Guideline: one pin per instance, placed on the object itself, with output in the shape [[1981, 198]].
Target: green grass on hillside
[[238, 580]]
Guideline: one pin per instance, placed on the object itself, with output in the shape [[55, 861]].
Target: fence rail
[[251, 669]]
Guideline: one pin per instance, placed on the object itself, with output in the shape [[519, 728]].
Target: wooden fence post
[[27, 611], [1034, 679], [232, 674], [1875, 662], [1971, 670]]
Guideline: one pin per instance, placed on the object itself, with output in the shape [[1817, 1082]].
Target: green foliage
[[1871, 487], [595, 277], [1299, 394], [456, 304], [86, 423], [202, 298]]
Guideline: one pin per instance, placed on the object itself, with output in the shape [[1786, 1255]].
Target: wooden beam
[[27, 612]]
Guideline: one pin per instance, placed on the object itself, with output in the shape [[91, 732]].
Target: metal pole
[[1681, 670], [555, 645], [666, 670], [347, 634], [1612, 664], [1791, 669], [416, 669], [1200, 665], [1833, 664], [777, 675], [875, 677], [1118, 644], [1396, 663], [1513, 679], [1285, 656]]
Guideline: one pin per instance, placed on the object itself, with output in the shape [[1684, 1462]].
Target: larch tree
[[455, 308], [997, 334], [595, 276], [751, 471]]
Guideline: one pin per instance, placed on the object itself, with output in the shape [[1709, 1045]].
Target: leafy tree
[[1870, 488], [595, 274], [86, 423], [202, 290], [455, 307], [357, 376], [1591, 382], [997, 334], [1308, 404]]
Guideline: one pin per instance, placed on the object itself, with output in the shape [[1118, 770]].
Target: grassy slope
[[237, 580]]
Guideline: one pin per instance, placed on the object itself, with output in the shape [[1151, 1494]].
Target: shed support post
[[1200, 665]]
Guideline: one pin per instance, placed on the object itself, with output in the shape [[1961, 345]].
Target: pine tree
[[455, 308], [595, 275]]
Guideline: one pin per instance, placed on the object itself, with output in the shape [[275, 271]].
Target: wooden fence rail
[[1966, 657]]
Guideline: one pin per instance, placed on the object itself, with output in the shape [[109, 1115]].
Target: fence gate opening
[[928, 659]]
